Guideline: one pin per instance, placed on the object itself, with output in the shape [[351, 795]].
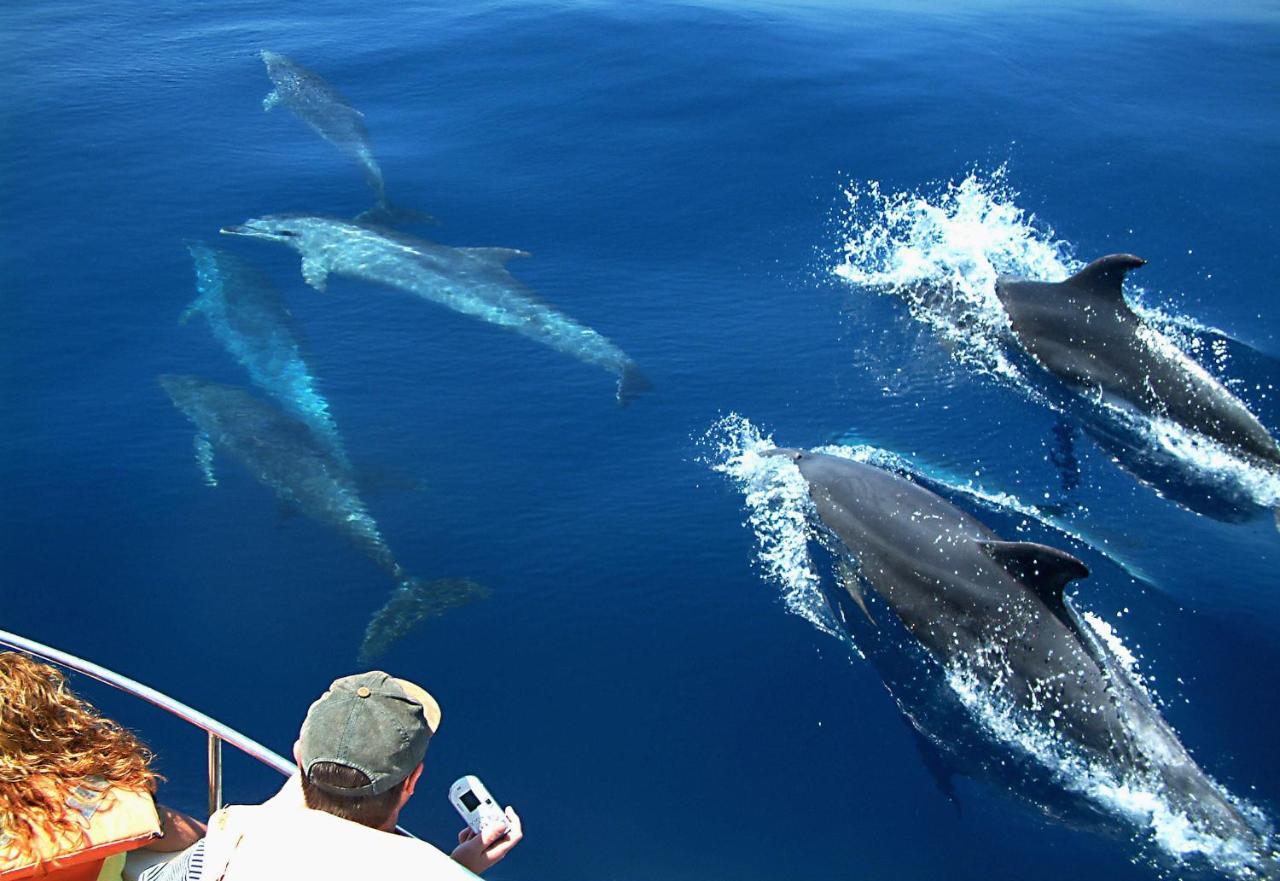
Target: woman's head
[[49, 741]]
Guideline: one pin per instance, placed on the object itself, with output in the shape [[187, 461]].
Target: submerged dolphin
[[285, 455], [1083, 332], [996, 610], [249, 318], [328, 114], [473, 281]]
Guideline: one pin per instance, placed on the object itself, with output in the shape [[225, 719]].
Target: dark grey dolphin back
[[1066, 325], [1083, 332]]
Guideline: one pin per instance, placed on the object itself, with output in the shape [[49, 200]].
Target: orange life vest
[[108, 821]]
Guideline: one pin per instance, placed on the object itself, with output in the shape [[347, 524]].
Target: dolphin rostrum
[[285, 455], [473, 281], [328, 114], [996, 611], [250, 319], [1083, 332]]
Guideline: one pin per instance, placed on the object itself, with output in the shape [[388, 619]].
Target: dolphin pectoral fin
[[189, 312], [314, 272], [1044, 569], [1104, 277], [498, 256], [935, 762], [1063, 455], [204, 458], [853, 586], [272, 99]]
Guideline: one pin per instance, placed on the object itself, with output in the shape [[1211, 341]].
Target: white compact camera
[[477, 806]]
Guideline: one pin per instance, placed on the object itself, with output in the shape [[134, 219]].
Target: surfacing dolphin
[[995, 611], [473, 281], [286, 456], [329, 115], [1084, 333], [250, 319]]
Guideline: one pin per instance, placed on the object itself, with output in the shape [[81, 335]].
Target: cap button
[[363, 691]]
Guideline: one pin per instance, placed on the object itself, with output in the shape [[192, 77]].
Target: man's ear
[[297, 753], [412, 780]]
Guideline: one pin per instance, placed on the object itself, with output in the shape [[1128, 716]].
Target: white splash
[[941, 252], [778, 506], [1134, 796], [779, 513], [1127, 659]]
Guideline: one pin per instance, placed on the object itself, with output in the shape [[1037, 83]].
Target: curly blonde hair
[[50, 740]]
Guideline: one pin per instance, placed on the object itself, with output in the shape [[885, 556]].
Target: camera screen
[[469, 800]]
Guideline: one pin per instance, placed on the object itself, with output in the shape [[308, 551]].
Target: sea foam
[[780, 514], [941, 249]]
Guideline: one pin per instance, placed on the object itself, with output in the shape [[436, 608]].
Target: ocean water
[[790, 215]]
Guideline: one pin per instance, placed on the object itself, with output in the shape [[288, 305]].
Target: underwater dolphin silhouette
[[250, 319], [473, 281], [996, 610], [327, 113], [286, 455], [1084, 333]]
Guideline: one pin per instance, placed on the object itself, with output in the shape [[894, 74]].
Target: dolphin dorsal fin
[[499, 256], [1104, 277], [1044, 569]]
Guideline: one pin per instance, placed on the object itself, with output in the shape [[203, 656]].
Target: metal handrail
[[217, 731]]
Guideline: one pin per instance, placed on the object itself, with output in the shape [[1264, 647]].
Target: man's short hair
[[360, 742], [367, 810]]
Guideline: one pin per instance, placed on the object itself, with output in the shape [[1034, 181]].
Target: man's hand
[[478, 853]]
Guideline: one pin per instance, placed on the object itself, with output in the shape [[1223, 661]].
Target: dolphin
[[285, 455], [250, 319], [329, 115], [996, 610], [409, 605], [1084, 333], [473, 281]]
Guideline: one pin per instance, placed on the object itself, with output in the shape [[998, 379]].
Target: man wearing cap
[[359, 755]]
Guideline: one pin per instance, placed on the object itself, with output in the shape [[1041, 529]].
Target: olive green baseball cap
[[372, 722]]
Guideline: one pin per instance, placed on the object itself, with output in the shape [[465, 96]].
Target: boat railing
[[218, 733]]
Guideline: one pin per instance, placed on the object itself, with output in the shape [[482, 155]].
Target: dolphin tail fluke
[[387, 214], [631, 383], [413, 602]]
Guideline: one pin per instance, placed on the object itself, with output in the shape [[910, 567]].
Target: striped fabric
[[186, 866]]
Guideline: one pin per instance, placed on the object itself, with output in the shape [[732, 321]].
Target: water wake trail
[[940, 251], [779, 512]]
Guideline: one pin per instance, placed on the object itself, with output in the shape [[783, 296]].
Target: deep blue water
[[635, 686]]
